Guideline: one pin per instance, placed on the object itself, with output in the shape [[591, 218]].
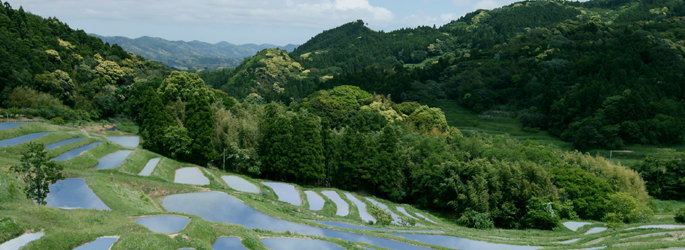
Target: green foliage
[[276, 143], [236, 136], [501, 189], [540, 215], [83, 73], [37, 172], [545, 59], [613, 102], [585, 190], [292, 147], [10, 229], [473, 219], [154, 121], [181, 86], [664, 174], [624, 208], [354, 46], [337, 104], [427, 120], [177, 141], [39, 104], [177, 119], [680, 215], [306, 154], [200, 126], [565, 210], [382, 217], [271, 73]]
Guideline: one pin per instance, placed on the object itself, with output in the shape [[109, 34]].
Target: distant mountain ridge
[[192, 54]]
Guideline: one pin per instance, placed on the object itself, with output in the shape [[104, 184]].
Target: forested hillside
[[49, 70], [269, 75], [353, 46], [609, 78], [190, 55], [599, 74]]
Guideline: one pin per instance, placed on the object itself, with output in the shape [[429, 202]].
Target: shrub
[[540, 220], [680, 215], [10, 229], [57, 120], [34, 103], [586, 191], [476, 220], [663, 173], [540, 215], [624, 208], [382, 217], [565, 210]]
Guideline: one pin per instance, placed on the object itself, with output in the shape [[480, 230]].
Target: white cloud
[[273, 21], [489, 4], [428, 20], [307, 13]]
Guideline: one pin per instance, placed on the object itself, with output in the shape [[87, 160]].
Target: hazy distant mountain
[[194, 54]]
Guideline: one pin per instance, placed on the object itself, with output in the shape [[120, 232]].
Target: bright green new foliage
[[382, 217], [38, 172]]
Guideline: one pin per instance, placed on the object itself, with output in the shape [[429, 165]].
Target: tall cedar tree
[[275, 144], [200, 124], [306, 154], [388, 175], [154, 121]]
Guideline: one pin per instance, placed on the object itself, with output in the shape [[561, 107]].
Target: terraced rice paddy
[[175, 205]]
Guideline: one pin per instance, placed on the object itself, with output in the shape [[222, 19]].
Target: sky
[[276, 22]]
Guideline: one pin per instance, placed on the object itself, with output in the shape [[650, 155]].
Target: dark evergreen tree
[[276, 143], [306, 153], [154, 120], [200, 124], [389, 173]]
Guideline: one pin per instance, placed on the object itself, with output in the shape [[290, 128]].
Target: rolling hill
[[193, 54]]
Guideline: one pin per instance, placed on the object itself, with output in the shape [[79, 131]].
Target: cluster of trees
[[350, 139], [664, 174], [176, 116], [49, 70]]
